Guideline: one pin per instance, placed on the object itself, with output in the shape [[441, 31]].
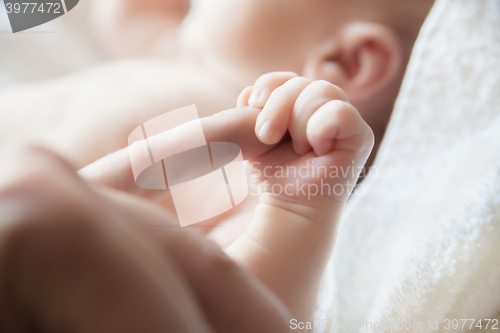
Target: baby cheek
[[261, 46], [251, 36]]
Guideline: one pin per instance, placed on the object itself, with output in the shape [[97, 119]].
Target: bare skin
[[83, 258], [88, 115], [292, 233], [212, 50], [80, 256]]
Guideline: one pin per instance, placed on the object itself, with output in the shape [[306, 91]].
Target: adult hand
[[235, 125], [82, 258]]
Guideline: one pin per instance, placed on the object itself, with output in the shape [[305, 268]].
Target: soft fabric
[[420, 240]]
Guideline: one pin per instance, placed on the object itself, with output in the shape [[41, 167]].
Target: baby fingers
[[274, 119], [315, 95], [317, 114], [337, 125], [265, 85]]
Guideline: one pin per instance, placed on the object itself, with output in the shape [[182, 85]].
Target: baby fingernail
[[255, 96], [267, 133]]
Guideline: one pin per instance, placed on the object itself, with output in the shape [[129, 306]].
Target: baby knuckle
[[328, 89], [323, 87], [278, 98], [341, 108], [282, 94], [267, 78], [299, 80], [350, 111], [273, 75], [297, 83]]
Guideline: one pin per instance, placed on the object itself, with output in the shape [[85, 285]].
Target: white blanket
[[421, 240]]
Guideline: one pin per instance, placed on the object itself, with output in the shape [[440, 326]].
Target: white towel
[[422, 242]]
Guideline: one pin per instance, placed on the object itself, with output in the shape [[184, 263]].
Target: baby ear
[[364, 59]]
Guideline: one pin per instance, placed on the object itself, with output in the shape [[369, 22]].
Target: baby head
[[361, 45]]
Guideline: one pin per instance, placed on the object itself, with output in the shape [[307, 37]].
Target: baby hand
[[306, 161], [322, 144]]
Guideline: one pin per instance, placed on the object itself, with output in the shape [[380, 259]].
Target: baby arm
[[292, 234]]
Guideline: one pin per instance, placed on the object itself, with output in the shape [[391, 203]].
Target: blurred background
[[50, 50]]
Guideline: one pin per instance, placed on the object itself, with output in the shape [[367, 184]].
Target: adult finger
[[235, 125]]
